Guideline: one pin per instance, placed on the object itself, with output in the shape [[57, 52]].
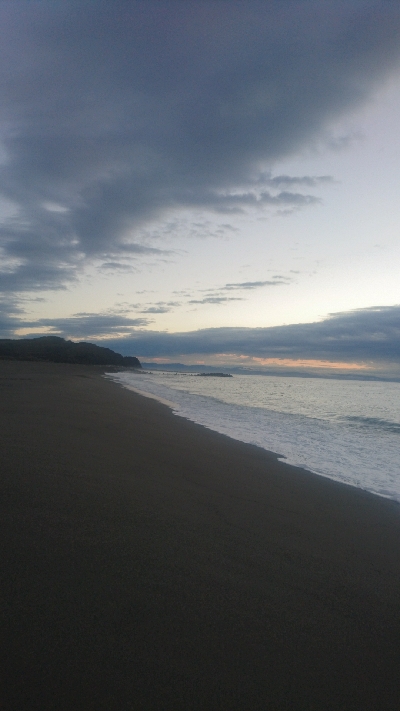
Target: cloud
[[310, 181], [116, 267], [215, 300], [192, 226], [214, 296], [371, 334], [250, 285], [117, 114], [84, 326], [162, 307], [236, 202], [10, 316]]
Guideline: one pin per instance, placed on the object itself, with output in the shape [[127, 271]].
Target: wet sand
[[149, 563]]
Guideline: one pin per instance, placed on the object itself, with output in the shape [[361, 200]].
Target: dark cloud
[[114, 113], [366, 334], [11, 314]]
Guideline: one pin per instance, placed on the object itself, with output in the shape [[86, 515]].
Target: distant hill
[[58, 350]]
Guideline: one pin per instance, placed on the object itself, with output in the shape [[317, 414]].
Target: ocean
[[341, 429]]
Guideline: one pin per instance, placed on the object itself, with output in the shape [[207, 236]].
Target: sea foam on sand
[[348, 431]]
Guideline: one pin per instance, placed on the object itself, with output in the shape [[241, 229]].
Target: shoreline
[[149, 562], [287, 459]]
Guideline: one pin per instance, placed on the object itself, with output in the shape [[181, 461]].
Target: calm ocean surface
[[345, 430]]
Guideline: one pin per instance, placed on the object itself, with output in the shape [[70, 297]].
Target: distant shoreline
[[278, 372]]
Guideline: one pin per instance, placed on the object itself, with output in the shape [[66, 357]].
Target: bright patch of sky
[[339, 254]]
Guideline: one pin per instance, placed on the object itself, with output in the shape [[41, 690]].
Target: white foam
[[172, 405], [347, 431]]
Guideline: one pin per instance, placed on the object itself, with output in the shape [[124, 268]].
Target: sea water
[[342, 429]]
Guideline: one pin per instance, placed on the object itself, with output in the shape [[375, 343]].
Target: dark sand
[[148, 563]]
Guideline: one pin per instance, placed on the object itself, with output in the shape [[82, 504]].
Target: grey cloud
[[87, 325], [117, 267], [367, 334], [235, 202], [37, 275], [129, 249], [276, 280], [161, 307], [184, 227], [370, 335], [10, 316], [118, 112], [309, 181], [250, 285], [215, 300], [230, 228]]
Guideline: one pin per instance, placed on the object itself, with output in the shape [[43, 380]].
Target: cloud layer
[[369, 335], [114, 114]]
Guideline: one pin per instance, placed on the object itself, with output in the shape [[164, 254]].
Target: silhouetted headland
[[58, 350]]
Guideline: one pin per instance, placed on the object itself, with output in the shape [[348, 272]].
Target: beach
[[150, 563]]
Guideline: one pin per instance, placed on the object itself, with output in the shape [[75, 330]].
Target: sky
[[204, 181]]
